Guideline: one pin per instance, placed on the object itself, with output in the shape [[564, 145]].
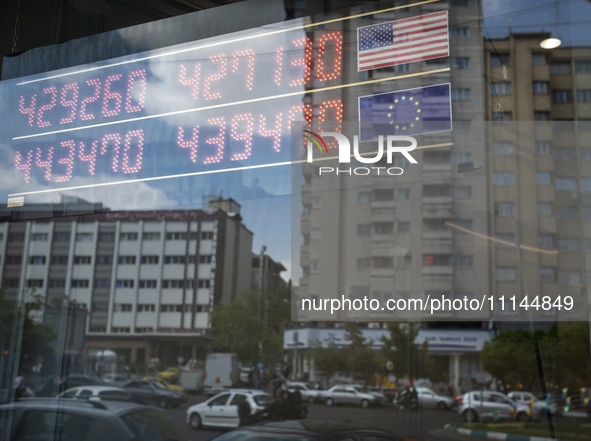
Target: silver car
[[428, 399], [487, 405], [346, 394], [309, 395]]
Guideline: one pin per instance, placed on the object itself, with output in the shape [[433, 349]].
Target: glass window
[[540, 87], [566, 213], [544, 209], [503, 179], [499, 59], [560, 68], [562, 96], [584, 95], [505, 209], [363, 197], [546, 241], [567, 184], [504, 240], [460, 62], [543, 178], [542, 147], [505, 274], [538, 59], [547, 274], [364, 230], [582, 66], [461, 192], [502, 88], [502, 148], [460, 94]]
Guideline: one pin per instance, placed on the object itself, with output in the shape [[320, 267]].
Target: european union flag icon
[[405, 112]]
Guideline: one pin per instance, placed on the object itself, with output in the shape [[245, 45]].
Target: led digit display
[[216, 104]]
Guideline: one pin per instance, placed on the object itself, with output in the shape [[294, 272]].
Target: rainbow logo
[[316, 139]]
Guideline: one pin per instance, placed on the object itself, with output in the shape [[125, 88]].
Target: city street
[[422, 423]]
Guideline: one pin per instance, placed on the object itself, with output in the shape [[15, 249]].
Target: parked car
[[428, 399], [174, 387], [526, 397], [49, 419], [486, 405], [309, 395], [170, 374], [346, 394], [97, 392], [221, 410], [154, 393], [114, 378], [307, 430], [76, 380]]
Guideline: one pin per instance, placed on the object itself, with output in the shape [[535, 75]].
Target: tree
[[359, 356], [238, 327], [408, 359], [328, 360]]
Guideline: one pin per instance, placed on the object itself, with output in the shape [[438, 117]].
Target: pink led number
[[217, 140], [136, 88], [96, 85], [88, 156], [68, 161], [28, 111], [190, 144], [133, 139], [247, 122], [47, 163], [24, 166], [69, 98], [192, 81], [111, 100], [222, 72], [113, 139], [44, 108]]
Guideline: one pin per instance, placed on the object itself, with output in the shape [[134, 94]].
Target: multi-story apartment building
[[148, 279], [405, 236], [540, 168]]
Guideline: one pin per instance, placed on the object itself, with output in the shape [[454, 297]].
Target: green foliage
[[408, 359], [564, 356], [359, 356], [239, 327], [329, 360]]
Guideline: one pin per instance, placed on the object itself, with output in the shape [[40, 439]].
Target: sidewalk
[[496, 435]]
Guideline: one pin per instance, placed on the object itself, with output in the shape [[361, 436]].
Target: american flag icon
[[419, 38]]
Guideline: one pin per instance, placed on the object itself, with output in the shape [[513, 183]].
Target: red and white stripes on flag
[[403, 41]]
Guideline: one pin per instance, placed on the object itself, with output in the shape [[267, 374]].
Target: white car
[[221, 410], [309, 395], [97, 393], [428, 399], [347, 394], [526, 397]]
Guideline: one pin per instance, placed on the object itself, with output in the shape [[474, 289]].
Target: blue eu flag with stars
[[405, 112]]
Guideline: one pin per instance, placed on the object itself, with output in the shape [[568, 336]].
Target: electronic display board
[[213, 105]]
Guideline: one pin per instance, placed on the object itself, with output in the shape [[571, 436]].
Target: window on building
[[383, 227], [504, 240], [102, 283], [547, 274], [560, 68], [39, 237], [565, 184], [125, 283], [505, 274], [566, 213], [499, 59], [174, 259], [460, 63], [106, 237], [402, 194], [34, 283], [506, 208], [458, 32], [460, 158], [541, 116], [463, 223], [126, 260], [585, 154], [382, 262], [544, 209], [315, 233], [383, 194], [463, 261], [437, 259], [316, 202], [203, 283], [84, 237], [37, 260], [151, 235], [363, 197], [56, 283], [543, 178], [202, 308], [542, 147], [120, 329], [568, 244], [80, 283], [128, 237], [562, 96], [173, 283], [538, 59], [502, 148], [585, 184], [403, 227], [461, 192], [176, 235], [208, 258], [206, 235], [460, 94], [104, 259], [150, 260], [59, 260], [61, 236], [363, 229], [583, 95], [148, 283], [546, 241], [540, 87], [122, 307], [582, 66], [82, 260], [565, 154], [146, 307], [503, 179], [569, 277], [502, 88]]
